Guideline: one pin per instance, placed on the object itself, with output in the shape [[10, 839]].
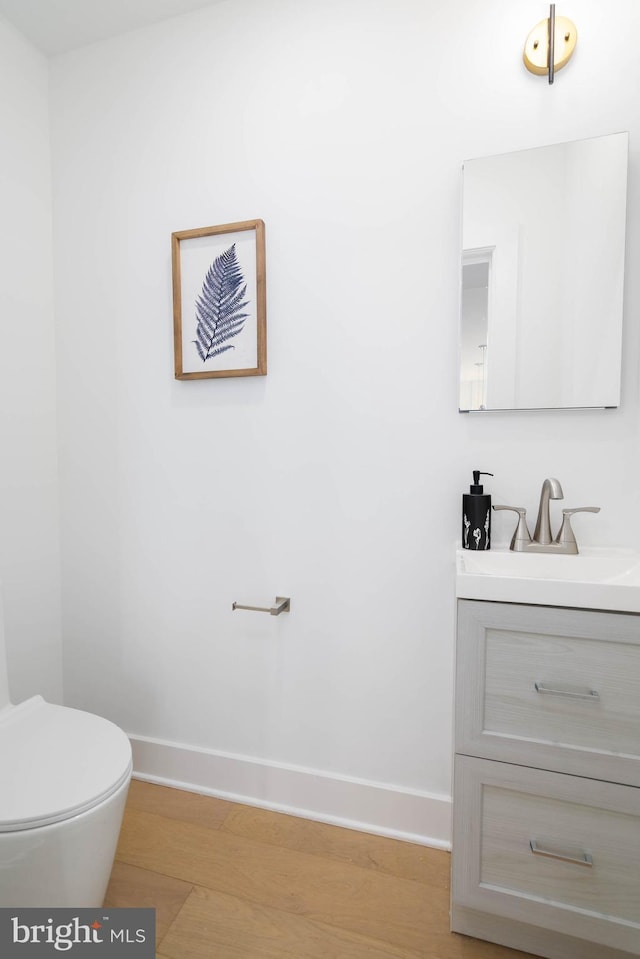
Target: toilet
[[64, 776]]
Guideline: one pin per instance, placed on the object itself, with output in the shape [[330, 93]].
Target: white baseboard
[[353, 803]]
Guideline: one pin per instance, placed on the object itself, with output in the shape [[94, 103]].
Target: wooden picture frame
[[219, 301]]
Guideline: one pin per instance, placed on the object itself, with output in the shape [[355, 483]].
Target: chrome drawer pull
[[584, 860], [590, 694]]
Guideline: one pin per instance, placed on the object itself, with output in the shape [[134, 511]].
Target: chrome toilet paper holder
[[283, 605]]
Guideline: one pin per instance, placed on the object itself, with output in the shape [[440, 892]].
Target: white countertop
[[597, 578]]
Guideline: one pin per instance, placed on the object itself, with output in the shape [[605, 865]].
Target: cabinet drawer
[[556, 851], [550, 687]]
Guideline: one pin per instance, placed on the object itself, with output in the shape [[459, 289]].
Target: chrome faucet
[[543, 542], [551, 489]]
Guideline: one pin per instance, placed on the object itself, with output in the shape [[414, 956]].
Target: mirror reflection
[[542, 277]]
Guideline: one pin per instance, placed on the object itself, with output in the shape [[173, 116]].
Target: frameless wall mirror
[[543, 238]]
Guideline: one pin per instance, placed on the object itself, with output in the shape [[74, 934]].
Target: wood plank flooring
[[236, 882]]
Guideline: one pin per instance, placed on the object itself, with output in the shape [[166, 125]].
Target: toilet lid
[[56, 762]]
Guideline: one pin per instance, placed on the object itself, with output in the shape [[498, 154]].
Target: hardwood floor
[[236, 882]]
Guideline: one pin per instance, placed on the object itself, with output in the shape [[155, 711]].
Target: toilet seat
[[56, 762]]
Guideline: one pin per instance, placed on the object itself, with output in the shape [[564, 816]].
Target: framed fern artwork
[[219, 301]]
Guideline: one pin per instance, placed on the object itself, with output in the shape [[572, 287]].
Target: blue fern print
[[219, 307]]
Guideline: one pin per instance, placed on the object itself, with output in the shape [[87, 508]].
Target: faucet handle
[[521, 536], [566, 535]]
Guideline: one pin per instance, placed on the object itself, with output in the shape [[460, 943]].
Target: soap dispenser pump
[[476, 515]]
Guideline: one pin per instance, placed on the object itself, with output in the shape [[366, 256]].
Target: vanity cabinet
[[546, 831]]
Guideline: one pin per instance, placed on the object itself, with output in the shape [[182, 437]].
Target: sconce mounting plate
[[536, 48]]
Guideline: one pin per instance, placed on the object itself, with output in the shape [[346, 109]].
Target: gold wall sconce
[[550, 45]]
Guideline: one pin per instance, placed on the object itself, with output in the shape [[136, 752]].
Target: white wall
[[29, 515], [336, 479]]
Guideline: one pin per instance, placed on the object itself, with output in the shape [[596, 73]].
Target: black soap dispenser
[[476, 515]]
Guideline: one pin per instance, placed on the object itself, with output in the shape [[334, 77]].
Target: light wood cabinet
[[546, 832]]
